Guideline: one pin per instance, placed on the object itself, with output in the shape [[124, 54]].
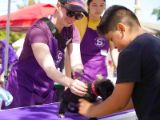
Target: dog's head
[[101, 87]]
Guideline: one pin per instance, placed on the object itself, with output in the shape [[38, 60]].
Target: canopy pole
[[7, 43]]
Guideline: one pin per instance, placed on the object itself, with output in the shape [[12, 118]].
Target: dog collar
[[93, 89]]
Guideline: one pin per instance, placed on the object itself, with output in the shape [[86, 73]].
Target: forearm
[[112, 106], [67, 64], [73, 59], [77, 87], [68, 70], [75, 55], [57, 76], [118, 101], [45, 60]]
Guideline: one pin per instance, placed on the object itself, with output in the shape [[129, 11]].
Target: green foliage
[[156, 11], [30, 2], [14, 36]]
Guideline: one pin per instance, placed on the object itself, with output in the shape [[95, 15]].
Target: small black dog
[[69, 101]]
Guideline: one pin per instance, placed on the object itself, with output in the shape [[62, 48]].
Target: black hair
[[89, 1], [66, 1], [114, 15], [62, 1]]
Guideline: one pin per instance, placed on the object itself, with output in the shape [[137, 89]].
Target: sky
[[145, 14]]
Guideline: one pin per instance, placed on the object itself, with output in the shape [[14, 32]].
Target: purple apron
[[94, 62], [28, 83]]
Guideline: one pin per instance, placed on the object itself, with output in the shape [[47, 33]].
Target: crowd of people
[[80, 41]]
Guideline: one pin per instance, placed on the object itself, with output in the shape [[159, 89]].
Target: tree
[[30, 2], [156, 11], [13, 36]]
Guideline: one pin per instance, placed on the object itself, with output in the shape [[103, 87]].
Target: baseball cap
[[74, 5]]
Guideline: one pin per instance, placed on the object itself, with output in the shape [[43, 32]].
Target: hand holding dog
[[85, 108], [78, 87]]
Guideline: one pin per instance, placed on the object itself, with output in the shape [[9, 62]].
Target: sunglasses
[[76, 15]]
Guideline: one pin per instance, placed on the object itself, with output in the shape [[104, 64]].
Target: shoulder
[[144, 42], [39, 27], [82, 21], [93, 24], [38, 32], [81, 25], [39, 24], [138, 43], [144, 38]]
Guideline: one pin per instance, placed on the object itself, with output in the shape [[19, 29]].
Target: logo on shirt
[[59, 57], [100, 41]]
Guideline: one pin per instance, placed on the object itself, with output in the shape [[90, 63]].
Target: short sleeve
[[38, 33], [129, 65], [76, 35]]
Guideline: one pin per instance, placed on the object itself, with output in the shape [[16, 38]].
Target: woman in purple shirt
[[32, 78], [93, 48]]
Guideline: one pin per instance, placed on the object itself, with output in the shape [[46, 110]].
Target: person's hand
[[77, 71], [78, 87], [5, 96], [85, 108]]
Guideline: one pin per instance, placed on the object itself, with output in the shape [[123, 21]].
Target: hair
[[62, 1], [114, 15], [89, 1]]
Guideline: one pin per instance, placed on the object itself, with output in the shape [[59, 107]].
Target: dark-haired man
[[138, 71]]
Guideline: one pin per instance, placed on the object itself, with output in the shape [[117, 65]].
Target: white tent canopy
[[153, 28]]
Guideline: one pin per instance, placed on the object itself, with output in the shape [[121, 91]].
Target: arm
[[73, 61], [44, 58], [67, 63], [73, 55], [117, 101], [129, 105]]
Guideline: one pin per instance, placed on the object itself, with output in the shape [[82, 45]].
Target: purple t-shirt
[[27, 78], [40, 33]]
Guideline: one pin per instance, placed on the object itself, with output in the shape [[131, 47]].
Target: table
[[50, 112], [124, 115]]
